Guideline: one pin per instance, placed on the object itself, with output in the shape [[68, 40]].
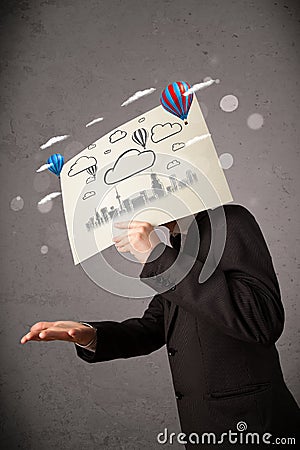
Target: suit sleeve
[[242, 296], [133, 337]]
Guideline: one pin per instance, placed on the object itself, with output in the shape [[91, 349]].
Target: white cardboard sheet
[[154, 168]]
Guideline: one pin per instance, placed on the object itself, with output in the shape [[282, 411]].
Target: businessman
[[220, 334]]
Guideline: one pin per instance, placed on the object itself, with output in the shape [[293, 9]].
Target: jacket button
[[171, 351], [173, 288], [178, 395]]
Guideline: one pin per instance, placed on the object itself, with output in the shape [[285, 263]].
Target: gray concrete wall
[[65, 62]]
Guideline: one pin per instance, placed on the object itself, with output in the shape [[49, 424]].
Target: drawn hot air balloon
[[173, 100], [56, 163], [140, 137], [92, 170]]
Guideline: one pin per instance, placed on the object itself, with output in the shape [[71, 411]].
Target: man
[[220, 334]]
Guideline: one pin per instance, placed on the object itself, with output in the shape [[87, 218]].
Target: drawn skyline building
[[157, 186], [112, 212], [189, 175], [127, 204], [118, 197], [98, 218], [182, 183], [104, 214], [144, 194], [135, 203], [173, 180], [138, 203]]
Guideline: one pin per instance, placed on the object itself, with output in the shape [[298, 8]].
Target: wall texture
[[65, 62]]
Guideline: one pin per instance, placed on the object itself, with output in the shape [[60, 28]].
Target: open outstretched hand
[[60, 331]]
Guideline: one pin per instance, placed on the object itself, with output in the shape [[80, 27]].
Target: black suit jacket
[[220, 334]]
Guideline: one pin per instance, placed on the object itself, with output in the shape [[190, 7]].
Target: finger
[[132, 224], [125, 248], [122, 242], [121, 225], [31, 336], [121, 247], [131, 238], [130, 232], [41, 326], [53, 334], [119, 237]]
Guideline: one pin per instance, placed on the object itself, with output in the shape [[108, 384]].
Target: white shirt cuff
[[91, 346]]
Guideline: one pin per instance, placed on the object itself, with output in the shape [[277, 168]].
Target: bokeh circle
[[226, 160], [17, 203], [255, 121], [229, 103]]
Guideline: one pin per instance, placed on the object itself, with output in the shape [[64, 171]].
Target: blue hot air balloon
[[56, 162], [173, 100]]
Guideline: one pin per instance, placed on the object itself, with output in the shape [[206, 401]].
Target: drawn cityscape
[[135, 203]]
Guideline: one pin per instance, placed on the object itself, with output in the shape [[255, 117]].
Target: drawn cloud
[[160, 131], [128, 164], [177, 146], [116, 136], [81, 164], [172, 164], [88, 194], [90, 179]]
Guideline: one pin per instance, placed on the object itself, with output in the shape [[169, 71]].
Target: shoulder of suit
[[231, 210], [239, 218], [236, 210], [239, 210], [234, 213]]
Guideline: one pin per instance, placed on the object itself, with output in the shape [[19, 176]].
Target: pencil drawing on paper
[[133, 203]]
